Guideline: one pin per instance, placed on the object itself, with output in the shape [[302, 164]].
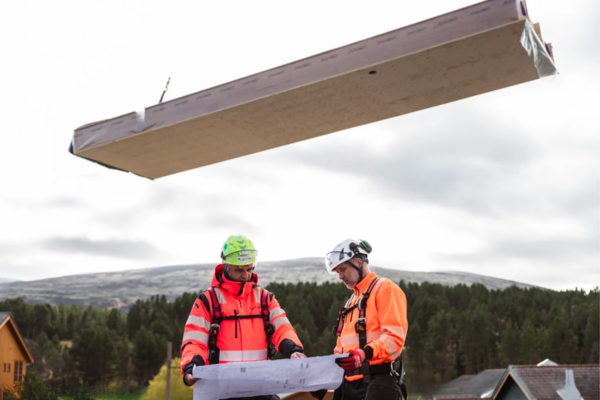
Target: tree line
[[452, 331]]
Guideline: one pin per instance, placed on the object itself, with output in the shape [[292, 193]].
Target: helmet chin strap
[[360, 272]]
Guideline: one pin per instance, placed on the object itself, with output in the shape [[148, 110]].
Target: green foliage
[[82, 393], [452, 331], [148, 354], [94, 351], [158, 386], [33, 388]]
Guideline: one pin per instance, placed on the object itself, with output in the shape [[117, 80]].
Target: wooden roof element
[[475, 50]]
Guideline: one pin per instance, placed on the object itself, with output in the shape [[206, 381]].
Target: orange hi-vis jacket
[[386, 322], [240, 339]]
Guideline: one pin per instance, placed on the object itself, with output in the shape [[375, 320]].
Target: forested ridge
[[452, 331]]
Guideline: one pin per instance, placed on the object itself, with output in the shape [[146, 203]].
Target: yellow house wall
[[10, 351]]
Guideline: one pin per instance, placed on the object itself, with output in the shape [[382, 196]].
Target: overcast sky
[[504, 184]]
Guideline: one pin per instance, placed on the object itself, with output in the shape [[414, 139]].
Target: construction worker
[[235, 307], [371, 328]]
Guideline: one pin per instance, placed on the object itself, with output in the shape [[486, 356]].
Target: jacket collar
[[236, 289], [363, 285]]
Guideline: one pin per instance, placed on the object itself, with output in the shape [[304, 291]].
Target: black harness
[[394, 368], [218, 318]]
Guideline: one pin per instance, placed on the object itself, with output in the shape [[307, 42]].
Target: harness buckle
[[361, 325], [214, 329], [393, 371]]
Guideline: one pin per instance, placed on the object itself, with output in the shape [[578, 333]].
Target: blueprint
[[246, 379]]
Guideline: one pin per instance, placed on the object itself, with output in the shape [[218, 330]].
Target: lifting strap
[[218, 318]]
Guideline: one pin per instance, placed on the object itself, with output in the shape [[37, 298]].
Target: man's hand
[[189, 379], [353, 361], [297, 355]]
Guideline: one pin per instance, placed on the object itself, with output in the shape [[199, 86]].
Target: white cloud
[[504, 184]]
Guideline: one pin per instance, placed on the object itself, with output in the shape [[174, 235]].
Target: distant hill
[[7, 280], [121, 289]]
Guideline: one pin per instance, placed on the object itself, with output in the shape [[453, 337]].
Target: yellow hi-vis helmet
[[238, 250]]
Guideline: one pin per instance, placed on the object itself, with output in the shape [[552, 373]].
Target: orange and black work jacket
[[386, 322], [238, 339]]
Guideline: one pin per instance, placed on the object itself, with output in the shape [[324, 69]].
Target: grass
[[116, 396], [120, 396]]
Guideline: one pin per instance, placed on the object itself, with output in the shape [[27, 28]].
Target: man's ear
[[359, 262]]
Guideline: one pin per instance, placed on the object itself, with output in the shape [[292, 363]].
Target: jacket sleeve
[[391, 304], [285, 338], [194, 346]]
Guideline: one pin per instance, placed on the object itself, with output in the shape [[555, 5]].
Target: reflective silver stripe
[[276, 312], [337, 350], [395, 354], [379, 282], [280, 321], [257, 294], [198, 321], [398, 330], [390, 345], [349, 340], [349, 301], [196, 335], [219, 296], [243, 355], [352, 340]]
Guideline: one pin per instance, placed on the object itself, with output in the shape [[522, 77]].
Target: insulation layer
[[471, 51]]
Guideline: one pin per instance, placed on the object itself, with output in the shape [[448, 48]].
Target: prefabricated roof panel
[[478, 49]]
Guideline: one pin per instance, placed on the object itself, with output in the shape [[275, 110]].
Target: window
[[18, 371], [6, 367]]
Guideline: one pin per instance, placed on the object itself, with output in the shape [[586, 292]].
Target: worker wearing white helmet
[[371, 328]]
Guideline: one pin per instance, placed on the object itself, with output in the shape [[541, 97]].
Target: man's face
[[240, 273], [348, 274]]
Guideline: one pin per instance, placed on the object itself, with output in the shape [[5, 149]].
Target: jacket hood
[[237, 289]]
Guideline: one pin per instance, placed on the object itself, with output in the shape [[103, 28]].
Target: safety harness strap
[[361, 329], [218, 318], [269, 329], [215, 327]]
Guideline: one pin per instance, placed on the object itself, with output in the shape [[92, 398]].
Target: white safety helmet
[[345, 251]]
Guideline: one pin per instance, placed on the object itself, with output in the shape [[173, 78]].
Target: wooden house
[[14, 355]]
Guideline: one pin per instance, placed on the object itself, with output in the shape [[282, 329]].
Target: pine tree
[[509, 345], [527, 344], [591, 336], [148, 355]]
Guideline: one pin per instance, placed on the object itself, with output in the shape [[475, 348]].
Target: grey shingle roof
[[543, 382], [468, 385]]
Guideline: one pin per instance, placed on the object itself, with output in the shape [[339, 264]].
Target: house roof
[[6, 319], [468, 386], [543, 382]]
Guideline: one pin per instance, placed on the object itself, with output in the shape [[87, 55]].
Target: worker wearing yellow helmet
[[235, 307]]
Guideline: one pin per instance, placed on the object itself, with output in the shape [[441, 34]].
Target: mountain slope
[[121, 289]]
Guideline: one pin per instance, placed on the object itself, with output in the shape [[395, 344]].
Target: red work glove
[[353, 361], [319, 394]]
